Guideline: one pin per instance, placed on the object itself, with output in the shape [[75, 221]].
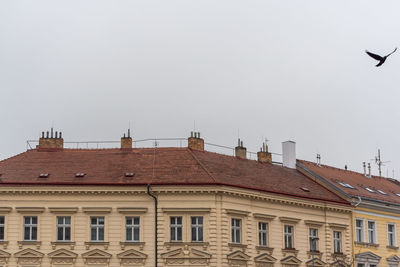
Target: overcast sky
[[273, 69]]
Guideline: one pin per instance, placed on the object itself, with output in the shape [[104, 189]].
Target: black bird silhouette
[[377, 57]]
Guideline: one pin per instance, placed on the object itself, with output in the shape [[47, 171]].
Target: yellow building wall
[[217, 205], [382, 219]]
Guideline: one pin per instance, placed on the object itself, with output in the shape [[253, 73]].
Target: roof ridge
[[202, 165]]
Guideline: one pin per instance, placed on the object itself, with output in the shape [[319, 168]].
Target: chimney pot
[[289, 154], [52, 142], [263, 155], [195, 142], [240, 151], [126, 142]]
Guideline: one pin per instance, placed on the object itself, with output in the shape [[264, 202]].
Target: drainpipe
[[155, 225]]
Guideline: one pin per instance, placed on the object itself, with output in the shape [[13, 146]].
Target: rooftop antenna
[[379, 162], [194, 125], [318, 159]]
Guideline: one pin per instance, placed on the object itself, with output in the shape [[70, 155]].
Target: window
[[1, 228], [197, 229], [346, 185], [337, 242], [236, 230], [313, 242], [370, 190], [383, 193], [360, 265], [359, 230], [176, 228], [391, 228], [97, 229], [288, 229], [30, 228], [263, 234], [132, 229], [63, 228], [371, 232]]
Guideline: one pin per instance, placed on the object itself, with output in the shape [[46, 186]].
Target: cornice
[[264, 216], [5, 209], [234, 212], [30, 209], [97, 210], [133, 210], [186, 210], [289, 219], [63, 209]]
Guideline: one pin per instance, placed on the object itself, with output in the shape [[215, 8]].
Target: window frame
[[263, 232], [196, 226], [30, 226], [3, 226], [393, 233], [97, 226], [362, 229], [64, 226], [374, 230], [235, 229], [340, 242], [134, 227], [285, 235], [176, 226], [309, 239]]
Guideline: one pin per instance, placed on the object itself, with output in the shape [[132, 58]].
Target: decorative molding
[[316, 262], [29, 243], [314, 223], [104, 244], [234, 212], [287, 252], [233, 246], [30, 209], [5, 209], [289, 219], [63, 209], [238, 258], [263, 216], [29, 256], [96, 256], [267, 249], [182, 210], [168, 245], [290, 260], [97, 210], [126, 210], [4, 244], [62, 243], [186, 256], [338, 225], [264, 259], [127, 244], [62, 256], [392, 247], [317, 254], [132, 257]]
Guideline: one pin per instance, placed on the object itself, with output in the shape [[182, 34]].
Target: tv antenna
[[379, 162]]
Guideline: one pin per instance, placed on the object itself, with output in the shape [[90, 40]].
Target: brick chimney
[[195, 142], [263, 155], [52, 141], [126, 141], [240, 150]]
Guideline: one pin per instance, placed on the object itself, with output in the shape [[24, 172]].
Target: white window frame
[[97, 226], [236, 230], [287, 235], [263, 234], [313, 236], [375, 236], [337, 242], [64, 226], [393, 233], [3, 226], [31, 226], [198, 228], [362, 229], [134, 227], [176, 226]]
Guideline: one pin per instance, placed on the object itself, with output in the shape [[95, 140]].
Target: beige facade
[[217, 206]]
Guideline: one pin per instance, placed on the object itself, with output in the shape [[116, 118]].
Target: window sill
[[316, 253], [97, 243], [366, 244], [237, 246], [263, 248], [168, 245], [132, 243], [4, 243], [289, 251], [32, 243], [63, 243], [392, 247], [338, 255]]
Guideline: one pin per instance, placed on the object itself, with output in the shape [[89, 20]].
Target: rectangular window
[[371, 232], [64, 228], [288, 236], [197, 229], [391, 228], [97, 229], [359, 230], [2, 228], [30, 228], [263, 234], [337, 242], [132, 229], [236, 231], [313, 241], [176, 228], [360, 265]]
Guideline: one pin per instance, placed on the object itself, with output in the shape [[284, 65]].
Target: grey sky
[[274, 69]]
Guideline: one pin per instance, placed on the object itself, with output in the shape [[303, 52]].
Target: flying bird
[[378, 57]]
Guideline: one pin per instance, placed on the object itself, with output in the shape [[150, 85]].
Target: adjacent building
[[376, 214], [170, 207]]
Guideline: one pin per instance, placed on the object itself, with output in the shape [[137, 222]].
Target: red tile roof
[[161, 166], [358, 181]]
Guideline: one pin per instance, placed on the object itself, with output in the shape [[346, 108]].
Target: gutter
[[155, 224]]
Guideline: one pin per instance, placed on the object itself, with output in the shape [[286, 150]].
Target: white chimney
[[289, 154]]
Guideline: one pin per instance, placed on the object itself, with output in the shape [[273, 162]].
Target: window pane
[[93, 220], [67, 233], [34, 220], [136, 234], [200, 232], [129, 233], [27, 220], [1, 233], [101, 234], [179, 220], [194, 236], [129, 220], [180, 233], [68, 220], [93, 236], [34, 233], [27, 233], [101, 220], [60, 233], [1, 219], [60, 220], [136, 220], [173, 234]]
